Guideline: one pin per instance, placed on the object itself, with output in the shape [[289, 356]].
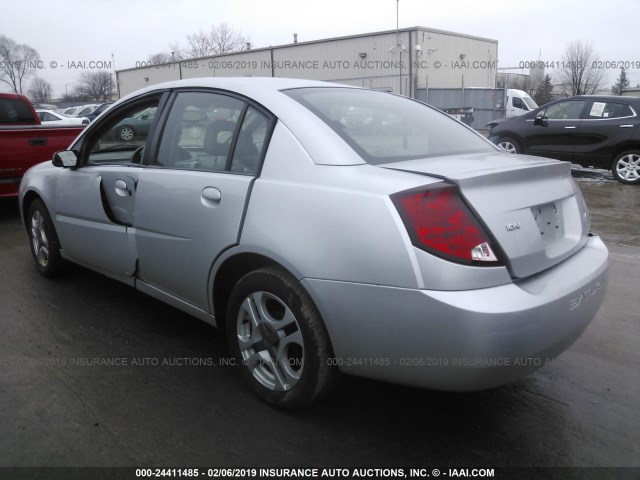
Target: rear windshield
[[385, 128], [15, 111]]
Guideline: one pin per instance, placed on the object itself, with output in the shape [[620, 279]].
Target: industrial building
[[417, 62]]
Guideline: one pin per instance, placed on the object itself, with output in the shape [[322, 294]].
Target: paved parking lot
[[93, 373]]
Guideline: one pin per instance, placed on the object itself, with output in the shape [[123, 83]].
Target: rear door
[[607, 125], [95, 203], [192, 195], [556, 137]]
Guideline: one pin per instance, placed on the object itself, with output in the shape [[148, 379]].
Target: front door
[[94, 211], [556, 138], [95, 202]]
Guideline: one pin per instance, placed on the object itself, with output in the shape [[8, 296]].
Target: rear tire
[[43, 239], [510, 145], [626, 167], [277, 336]]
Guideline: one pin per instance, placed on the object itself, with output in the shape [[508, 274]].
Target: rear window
[[14, 111], [385, 128]]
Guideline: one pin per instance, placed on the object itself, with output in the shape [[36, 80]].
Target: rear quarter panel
[[337, 222], [331, 222]]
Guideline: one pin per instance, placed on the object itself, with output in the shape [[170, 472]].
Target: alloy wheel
[[508, 146], [39, 239], [270, 341], [628, 167], [126, 133]]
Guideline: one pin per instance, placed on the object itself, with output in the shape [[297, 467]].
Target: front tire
[[126, 133], [43, 239], [626, 167], [509, 145], [276, 334]]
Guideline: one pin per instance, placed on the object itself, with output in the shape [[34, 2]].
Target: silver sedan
[[395, 244]]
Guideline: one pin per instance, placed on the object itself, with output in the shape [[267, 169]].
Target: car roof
[[249, 86], [610, 98]]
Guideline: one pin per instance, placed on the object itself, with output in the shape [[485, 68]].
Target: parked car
[[426, 257], [136, 126], [49, 117], [99, 109], [593, 131], [70, 111], [24, 141], [85, 110]]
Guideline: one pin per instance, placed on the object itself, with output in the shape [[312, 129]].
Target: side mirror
[[540, 120], [65, 159]]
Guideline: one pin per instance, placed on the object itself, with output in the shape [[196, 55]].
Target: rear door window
[[602, 110], [216, 132]]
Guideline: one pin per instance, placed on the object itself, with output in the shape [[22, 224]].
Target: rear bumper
[[462, 340]]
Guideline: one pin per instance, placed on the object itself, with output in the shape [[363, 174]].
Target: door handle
[[211, 196], [626, 126], [121, 188], [37, 141], [570, 127]]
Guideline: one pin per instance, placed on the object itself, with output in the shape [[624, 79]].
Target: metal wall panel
[[485, 102], [398, 61], [131, 80]]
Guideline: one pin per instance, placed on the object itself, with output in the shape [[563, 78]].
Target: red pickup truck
[[24, 142]]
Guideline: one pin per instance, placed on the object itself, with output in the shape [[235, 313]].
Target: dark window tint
[[385, 128], [603, 110], [518, 103], [15, 111], [251, 143]]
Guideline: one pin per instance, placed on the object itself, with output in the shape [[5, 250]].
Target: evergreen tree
[[621, 83], [544, 91]]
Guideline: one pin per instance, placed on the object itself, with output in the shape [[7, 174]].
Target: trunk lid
[[531, 206]]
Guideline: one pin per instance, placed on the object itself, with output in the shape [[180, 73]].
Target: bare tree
[[226, 40], [219, 40], [159, 58], [40, 90], [17, 63], [199, 45], [578, 75], [96, 85]]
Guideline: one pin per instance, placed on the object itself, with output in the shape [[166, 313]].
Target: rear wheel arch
[[229, 273], [621, 149]]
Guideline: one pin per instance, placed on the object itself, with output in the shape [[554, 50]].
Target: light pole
[[66, 91]]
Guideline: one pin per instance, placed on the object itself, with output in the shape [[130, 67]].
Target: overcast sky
[[126, 31]]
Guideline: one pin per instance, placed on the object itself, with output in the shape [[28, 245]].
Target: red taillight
[[439, 222]]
